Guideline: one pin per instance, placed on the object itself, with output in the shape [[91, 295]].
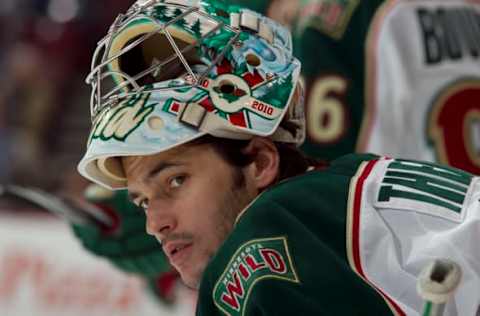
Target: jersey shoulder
[[295, 224], [323, 190]]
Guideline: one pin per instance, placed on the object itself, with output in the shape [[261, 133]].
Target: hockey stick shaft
[[437, 283], [64, 208]]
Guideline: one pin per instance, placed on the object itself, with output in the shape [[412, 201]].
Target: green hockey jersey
[[348, 240], [287, 254], [397, 78]]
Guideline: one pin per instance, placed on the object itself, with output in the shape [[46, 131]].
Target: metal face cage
[[155, 58]]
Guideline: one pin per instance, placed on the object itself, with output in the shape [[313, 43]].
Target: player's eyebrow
[[160, 167]]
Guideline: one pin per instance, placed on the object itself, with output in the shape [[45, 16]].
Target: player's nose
[[160, 222]]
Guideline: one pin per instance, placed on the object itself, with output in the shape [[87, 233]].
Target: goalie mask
[[171, 71]]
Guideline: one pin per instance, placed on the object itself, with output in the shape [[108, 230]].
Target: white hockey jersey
[[423, 82], [404, 214]]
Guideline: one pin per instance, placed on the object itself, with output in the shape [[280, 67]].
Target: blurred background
[[45, 52]]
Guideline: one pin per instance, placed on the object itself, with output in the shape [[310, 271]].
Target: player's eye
[[176, 182]]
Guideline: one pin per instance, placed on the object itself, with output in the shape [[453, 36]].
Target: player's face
[[192, 198]]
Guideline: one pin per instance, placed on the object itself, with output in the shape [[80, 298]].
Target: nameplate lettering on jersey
[[449, 33], [425, 188], [256, 260]]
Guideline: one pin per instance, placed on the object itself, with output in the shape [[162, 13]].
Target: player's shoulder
[[349, 164], [258, 249], [342, 167], [290, 207], [277, 238], [324, 190]]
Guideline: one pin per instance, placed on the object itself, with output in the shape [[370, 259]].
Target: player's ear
[[264, 168]]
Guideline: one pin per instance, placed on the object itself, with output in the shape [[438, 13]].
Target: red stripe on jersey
[[357, 204], [357, 201]]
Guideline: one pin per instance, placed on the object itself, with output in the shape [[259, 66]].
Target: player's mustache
[[176, 236]]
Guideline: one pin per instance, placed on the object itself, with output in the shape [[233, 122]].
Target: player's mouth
[[177, 252]]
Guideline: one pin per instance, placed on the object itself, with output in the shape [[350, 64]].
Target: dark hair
[[292, 161]]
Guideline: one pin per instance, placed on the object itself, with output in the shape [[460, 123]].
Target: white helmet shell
[[169, 72]]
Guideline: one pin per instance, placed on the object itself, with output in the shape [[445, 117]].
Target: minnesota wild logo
[[230, 92], [118, 123], [254, 261]]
